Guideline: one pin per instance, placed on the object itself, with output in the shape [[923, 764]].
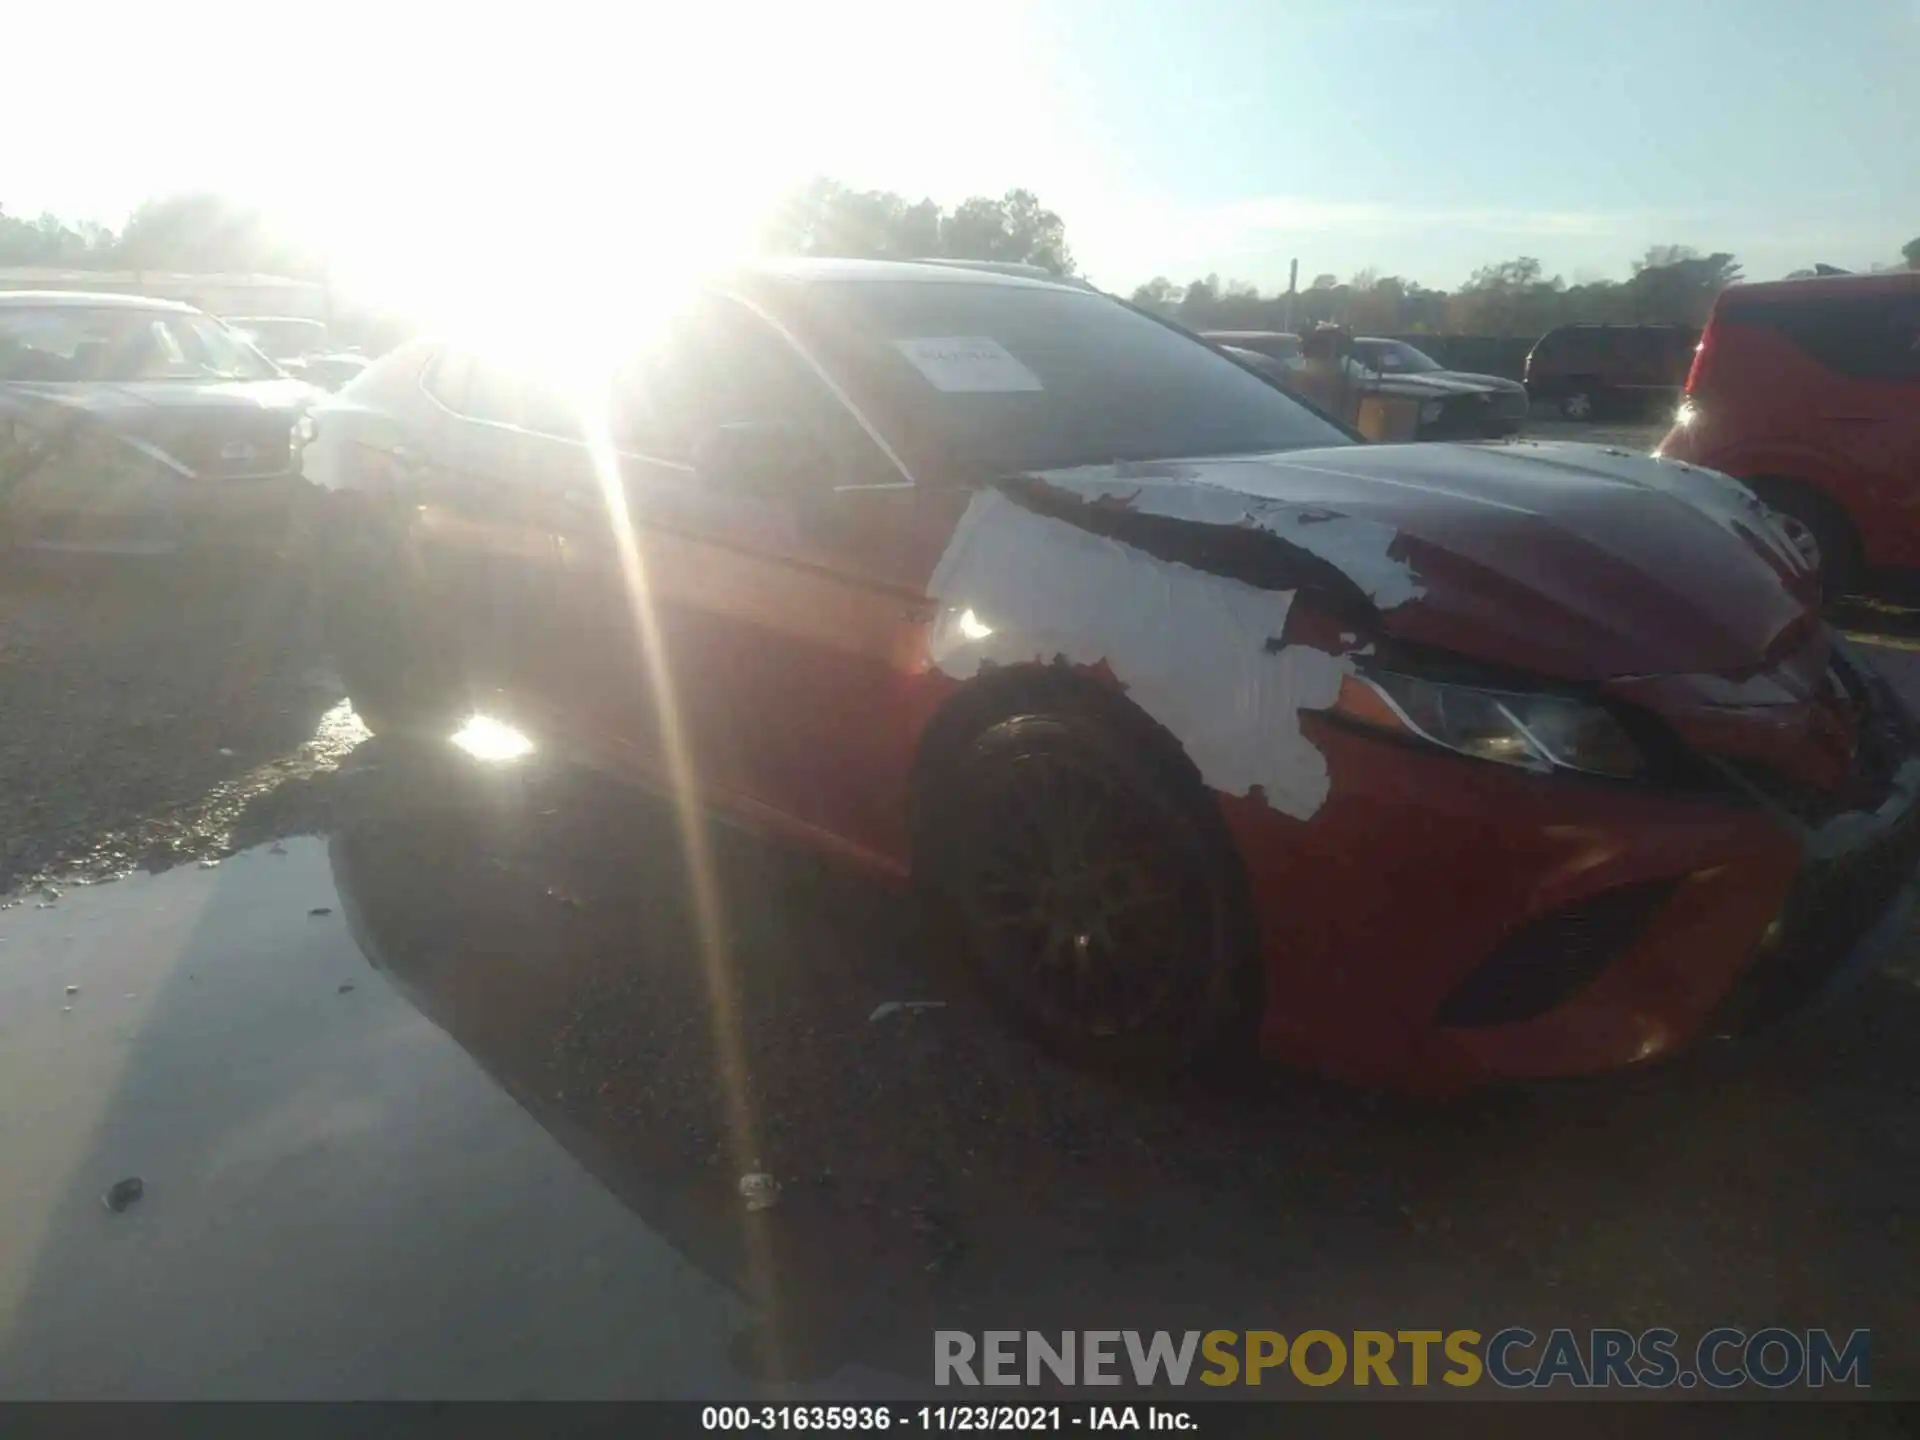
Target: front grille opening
[[1830, 911], [1554, 958]]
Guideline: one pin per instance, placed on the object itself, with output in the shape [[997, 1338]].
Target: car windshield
[[283, 339], [1395, 357], [1006, 379], [82, 343]]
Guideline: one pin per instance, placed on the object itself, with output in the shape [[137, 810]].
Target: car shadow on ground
[[935, 1172]]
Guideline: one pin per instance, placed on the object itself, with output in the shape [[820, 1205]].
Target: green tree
[[1676, 284], [49, 241], [1016, 227], [1199, 300], [825, 217], [1510, 298], [1910, 252], [1159, 293], [208, 233]]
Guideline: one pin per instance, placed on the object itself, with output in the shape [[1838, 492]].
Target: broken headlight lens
[[1532, 732]]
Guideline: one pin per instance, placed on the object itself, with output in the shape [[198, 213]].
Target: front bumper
[[1484, 415], [1845, 917], [1692, 914]]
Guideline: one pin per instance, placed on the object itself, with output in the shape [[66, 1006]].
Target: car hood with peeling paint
[[1574, 561]]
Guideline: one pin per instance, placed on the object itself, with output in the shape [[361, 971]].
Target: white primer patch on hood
[[1190, 648], [1357, 547]]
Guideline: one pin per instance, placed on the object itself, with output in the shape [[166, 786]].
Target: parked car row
[[1452, 405], [1580, 372], [301, 347], [132, 425], [1203, 725]]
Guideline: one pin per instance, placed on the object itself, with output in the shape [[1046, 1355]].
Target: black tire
[[1840, 568], [380, 628], [1091, 888]]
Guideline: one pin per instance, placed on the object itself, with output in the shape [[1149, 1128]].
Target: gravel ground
[[1639, 436], [154, 714]]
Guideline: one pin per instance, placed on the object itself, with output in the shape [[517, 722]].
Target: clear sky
[[1419, 137]]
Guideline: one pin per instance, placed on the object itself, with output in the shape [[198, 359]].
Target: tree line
[[1670, 284], [209, 234]]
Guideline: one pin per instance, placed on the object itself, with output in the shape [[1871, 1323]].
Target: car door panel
[[487, 515], [777, 630]]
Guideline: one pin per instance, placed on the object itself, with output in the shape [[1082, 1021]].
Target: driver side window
[[720, 364]]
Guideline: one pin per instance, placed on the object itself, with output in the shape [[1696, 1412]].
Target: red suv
[[1809, 391]]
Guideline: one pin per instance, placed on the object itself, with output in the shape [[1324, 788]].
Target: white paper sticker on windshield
[[968, 364]]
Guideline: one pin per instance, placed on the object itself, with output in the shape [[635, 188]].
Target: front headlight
[[1531, 732], [1430, 412]]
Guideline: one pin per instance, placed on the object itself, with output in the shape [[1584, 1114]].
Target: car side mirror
[[764, 458]]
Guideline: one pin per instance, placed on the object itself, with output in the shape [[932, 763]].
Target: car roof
[[91, 299], [812, 269], [276, 319], [1228, 337], [1826, 287]]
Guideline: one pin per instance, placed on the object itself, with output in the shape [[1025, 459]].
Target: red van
[[1809, 391]]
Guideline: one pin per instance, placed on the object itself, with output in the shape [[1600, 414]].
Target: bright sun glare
[[485, 738]]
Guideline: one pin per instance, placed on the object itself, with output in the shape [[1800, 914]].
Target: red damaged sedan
[[1206, 724]]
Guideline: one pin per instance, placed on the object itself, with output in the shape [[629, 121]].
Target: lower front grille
[[1554, 957], [1830, 911]]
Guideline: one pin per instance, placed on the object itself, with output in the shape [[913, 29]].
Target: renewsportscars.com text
[[1514, 1358]]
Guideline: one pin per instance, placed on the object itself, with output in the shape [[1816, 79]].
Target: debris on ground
[[940, 1231], [320, 910], [123, 1193], [73, 989], [912, 1007], [760, 1191], [345, 988]]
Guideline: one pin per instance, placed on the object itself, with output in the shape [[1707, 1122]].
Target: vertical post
[[1293, 286]]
